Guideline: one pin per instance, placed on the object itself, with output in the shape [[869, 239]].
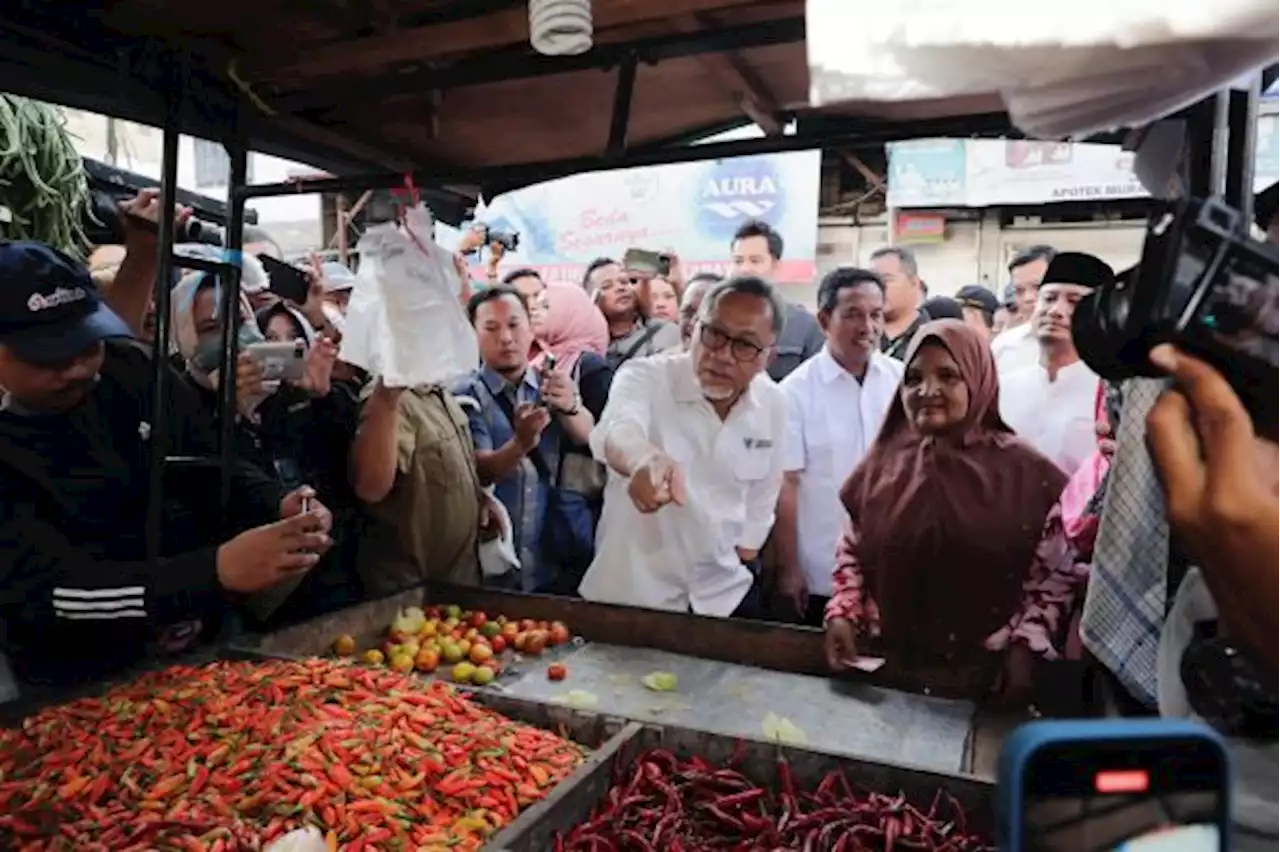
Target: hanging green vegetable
[[43, 189]]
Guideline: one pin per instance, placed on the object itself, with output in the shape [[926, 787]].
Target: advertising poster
[[692, 209]]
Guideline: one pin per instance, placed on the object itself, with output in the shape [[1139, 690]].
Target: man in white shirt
[[694, 442], [1051, 403], [836, 402], [1016, 346]]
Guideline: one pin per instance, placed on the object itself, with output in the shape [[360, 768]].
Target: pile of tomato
[[471, 646]]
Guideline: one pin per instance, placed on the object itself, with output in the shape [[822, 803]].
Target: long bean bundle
[[43, 189]]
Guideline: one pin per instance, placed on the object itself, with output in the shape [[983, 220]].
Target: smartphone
[[646, 262], [280, 361], [286, 280], [1140, 785]]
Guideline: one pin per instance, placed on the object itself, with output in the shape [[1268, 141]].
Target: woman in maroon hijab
[[946, 512]]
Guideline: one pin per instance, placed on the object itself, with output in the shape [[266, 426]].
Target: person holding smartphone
[[522, 421], [80, 595]]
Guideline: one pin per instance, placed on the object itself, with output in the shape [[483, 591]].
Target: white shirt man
[[836, 402], [1017, 346], [1051, 403], [694, 442]]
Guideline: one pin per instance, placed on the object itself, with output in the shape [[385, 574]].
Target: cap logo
[[59, 297]]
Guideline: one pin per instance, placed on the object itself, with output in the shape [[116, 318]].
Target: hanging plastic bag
[[404, 321]]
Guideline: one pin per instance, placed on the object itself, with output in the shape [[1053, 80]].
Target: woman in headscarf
[[1060, 571], [299, 433], [945, 514], [572, 336]]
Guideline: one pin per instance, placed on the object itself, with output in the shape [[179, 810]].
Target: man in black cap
[[979, 306], [1051, 403], [78, 595]]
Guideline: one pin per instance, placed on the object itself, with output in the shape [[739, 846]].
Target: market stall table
[[731, 674]]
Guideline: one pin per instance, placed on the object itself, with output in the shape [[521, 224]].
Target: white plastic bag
[[307, 839], [404, 321]]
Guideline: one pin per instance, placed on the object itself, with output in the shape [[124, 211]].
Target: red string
[[408, 195]]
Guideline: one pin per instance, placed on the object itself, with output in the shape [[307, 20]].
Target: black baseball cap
[[977, 296], [50, 309]]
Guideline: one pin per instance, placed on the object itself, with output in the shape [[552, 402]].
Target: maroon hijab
[[947, 526]]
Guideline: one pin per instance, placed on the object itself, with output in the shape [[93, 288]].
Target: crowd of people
[[924, 472]]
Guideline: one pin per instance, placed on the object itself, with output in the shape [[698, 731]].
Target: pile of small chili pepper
[[665, 804], [232, 755]]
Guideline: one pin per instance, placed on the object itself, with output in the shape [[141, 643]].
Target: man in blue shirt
[[520, 421]]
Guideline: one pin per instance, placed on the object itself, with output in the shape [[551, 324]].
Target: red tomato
[[478, 620], [557, 671], [498, 644]]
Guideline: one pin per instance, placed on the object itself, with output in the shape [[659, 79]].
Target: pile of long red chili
[[232, 755], [664, 804]]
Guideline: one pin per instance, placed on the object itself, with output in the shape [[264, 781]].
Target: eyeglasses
[[743, 350]]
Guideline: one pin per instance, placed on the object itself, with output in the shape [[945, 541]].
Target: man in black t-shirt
[[78, 595]]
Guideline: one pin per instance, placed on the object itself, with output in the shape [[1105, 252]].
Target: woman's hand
[[318, 378], [313, 307], [675, 272], [841, 648], [558, 391], [249, 384], [1017, 677]]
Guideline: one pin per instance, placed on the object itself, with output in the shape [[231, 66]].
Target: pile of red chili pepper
[[232, 755], [664, 804]]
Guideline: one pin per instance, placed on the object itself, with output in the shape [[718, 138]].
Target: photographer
[[1220, 486], [130, 295]]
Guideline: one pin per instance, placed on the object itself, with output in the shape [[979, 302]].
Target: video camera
[[1203, 284], [104, 225]]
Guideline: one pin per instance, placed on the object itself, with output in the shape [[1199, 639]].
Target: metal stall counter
[[737, 678]]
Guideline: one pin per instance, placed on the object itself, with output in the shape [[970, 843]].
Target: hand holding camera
[[1220, 480]]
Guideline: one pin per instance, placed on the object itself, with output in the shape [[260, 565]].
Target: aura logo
[[735, 191]]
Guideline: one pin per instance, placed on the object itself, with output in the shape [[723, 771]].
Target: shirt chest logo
[[757, 443]]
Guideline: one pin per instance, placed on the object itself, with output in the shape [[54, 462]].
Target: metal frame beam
[[621, 117], [521, 64], [159, 437], [849, 134]]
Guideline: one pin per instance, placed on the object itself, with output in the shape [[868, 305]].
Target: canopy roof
[[449, 86]]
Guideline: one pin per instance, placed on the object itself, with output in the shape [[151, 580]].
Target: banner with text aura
[[692, 209]]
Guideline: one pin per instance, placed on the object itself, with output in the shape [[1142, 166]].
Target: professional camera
[[104, 225], [1203, 284]]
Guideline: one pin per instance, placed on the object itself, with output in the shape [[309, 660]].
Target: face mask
[[208, 354]]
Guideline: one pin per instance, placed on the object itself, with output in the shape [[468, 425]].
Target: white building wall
[[974, 252], [293, 220]]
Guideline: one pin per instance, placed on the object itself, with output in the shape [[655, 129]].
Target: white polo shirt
[[684, 557], [1015, 348], [832, 419], [1056, 417]]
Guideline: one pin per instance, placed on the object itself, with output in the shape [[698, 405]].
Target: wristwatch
[[570, 412]]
